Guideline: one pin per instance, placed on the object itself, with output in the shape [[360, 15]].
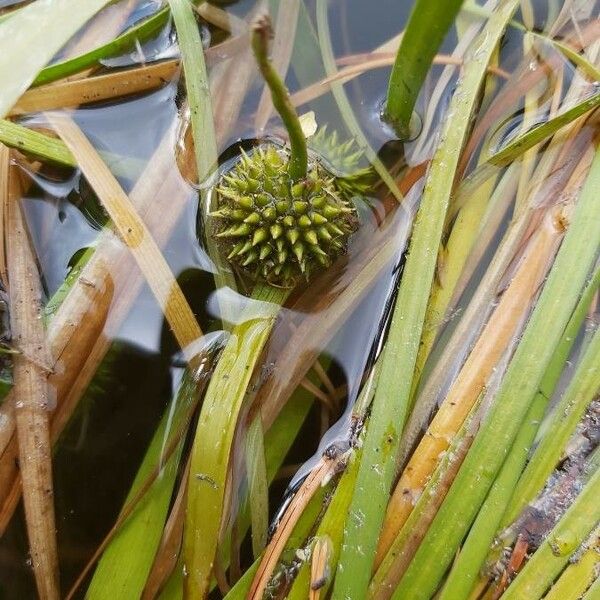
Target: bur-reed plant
[[243, 238], [278, 218]]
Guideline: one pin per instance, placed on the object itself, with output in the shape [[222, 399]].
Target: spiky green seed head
[[278, 229], [344, 158]]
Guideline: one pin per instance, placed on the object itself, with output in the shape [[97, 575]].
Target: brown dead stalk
[[31, 393]]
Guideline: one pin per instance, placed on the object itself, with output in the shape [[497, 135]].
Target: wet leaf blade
[[19, 66], [214, 438], [538, 134], [36, 144], [127, 40]]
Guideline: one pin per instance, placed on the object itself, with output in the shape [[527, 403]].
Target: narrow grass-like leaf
[[559, 546], [539, 133], [521, 382], [320, 475], [215, 434], [579, 60], [32, 396], [450, 265], [96, 89], [201, 118], [69, 281], [427, 26], [36, 144], [472, 555], [140, 32], [125, 564], [19, 64], [53, 150], [198, 91], [408, 538], [378, 465]]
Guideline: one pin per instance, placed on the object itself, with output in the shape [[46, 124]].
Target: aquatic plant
[[464, 311], [280, 216]]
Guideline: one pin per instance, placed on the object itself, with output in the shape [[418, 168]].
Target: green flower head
[[278, 229]]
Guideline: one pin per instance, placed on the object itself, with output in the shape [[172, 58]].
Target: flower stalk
[[277, 218], [262, 32]]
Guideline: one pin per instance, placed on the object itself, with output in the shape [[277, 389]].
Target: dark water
[[99, 452]]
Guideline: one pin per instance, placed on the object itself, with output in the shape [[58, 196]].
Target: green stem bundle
[[390, 405], [502, 494], [521, 382]]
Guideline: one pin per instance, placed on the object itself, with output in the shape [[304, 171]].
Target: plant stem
[[197, 87], [521, 382], [215, 432], [427, 26], [261, 33], [378, 466]]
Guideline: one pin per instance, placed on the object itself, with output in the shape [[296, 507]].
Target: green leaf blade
[[19, 36]]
